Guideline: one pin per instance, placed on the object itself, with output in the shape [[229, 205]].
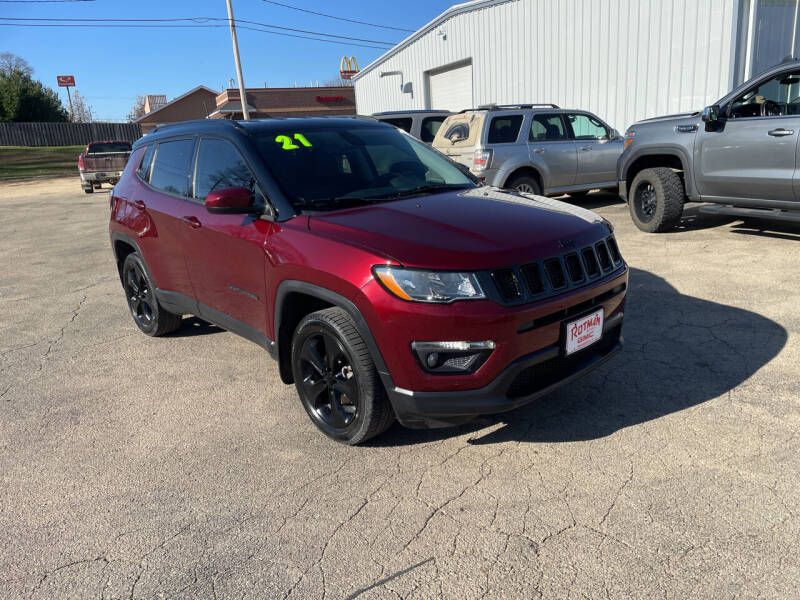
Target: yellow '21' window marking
[[288, 144]]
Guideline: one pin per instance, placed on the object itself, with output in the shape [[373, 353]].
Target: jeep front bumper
[[523, 381]]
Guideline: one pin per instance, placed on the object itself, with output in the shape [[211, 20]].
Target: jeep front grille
[[557, 274]]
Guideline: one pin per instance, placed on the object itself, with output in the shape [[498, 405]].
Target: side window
[[547, 128], [147, 163], [773, 98], [170, 170], [585, 127], [457, 131], [504, 129], [430, 126], [404, 124], [219, 166]]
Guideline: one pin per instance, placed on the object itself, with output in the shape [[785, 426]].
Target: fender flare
[[678, 152], [118, 236], [289, 286]]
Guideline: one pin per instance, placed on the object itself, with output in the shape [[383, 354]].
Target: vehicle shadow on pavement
[[679, 352], [193, 326], [694, 220], [773, 229], [593, 200]]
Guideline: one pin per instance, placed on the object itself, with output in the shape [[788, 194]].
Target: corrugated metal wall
[[622, 59], [66, 134]]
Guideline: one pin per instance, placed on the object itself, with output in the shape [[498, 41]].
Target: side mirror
[[230, 201], [710, 114], [613, 135]]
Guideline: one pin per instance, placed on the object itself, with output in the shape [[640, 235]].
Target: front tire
[[336, 378], [140, 292], [656, 199]]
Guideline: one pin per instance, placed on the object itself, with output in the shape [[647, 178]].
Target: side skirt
[[182, 304]]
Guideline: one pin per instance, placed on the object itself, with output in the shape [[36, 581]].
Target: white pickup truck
[[102, 162]]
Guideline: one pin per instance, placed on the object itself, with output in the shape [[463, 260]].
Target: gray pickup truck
[[102, 162], [740, 154]]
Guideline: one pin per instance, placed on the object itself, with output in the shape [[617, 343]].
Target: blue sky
[[113, 65]]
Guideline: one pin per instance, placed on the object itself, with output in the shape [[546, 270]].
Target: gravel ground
[[133, 467]]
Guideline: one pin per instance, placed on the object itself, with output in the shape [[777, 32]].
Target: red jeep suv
[[383, 278]]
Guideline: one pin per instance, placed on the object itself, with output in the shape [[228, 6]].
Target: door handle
[[780, 132], [192, 222], [538, 150], [586, 148], [139, 204]]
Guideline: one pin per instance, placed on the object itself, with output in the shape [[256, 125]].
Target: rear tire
[[336, 378], [656, 199], [525, 184], [140, 292]]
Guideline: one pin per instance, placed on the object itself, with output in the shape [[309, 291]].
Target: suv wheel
[[147, 313], [336, 378], [656, 199], [525, 184]]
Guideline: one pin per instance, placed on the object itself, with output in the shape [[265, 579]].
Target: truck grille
[[557, 274]]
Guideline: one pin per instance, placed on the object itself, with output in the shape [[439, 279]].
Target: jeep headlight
[[429, 286]]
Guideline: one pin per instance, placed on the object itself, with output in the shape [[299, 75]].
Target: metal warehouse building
[[622, 59]]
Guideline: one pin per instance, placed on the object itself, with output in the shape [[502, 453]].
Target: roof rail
[[227, 122], [509, 106]]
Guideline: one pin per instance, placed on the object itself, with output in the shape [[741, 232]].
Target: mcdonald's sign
[[348, 67]]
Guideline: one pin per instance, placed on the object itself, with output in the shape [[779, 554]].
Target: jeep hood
[[481, 228]]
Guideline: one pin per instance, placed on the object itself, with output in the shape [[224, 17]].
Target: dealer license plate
[[584, 332]]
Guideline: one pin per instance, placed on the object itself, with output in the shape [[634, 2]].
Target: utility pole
[[71, 114], [238, 62]]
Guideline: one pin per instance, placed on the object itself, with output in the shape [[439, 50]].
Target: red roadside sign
[[66, 80]]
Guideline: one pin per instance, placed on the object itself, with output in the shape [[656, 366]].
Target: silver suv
[[534, 148]]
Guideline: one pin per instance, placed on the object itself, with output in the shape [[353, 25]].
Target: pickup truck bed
[[102, 162]]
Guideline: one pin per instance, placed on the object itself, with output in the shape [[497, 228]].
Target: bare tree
[[10, 63], [81, 110], [337, 82], [137, 110]]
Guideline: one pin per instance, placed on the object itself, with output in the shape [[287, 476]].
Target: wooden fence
[[66, 134]]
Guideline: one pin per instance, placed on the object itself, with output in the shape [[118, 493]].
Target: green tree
[[23, 98]]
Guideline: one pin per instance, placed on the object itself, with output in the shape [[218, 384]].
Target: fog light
[[452, 357]]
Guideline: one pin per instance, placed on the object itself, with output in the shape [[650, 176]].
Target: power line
[[196, 20], [313, 12], [190, 26]]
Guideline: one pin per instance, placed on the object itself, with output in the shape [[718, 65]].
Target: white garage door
[[451, 89]]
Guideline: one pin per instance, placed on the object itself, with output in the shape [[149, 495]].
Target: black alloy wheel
[[149, 316], [140, 295], [335, 376], [328, 387], [645, 201]]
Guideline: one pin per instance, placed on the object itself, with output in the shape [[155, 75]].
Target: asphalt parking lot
[[134, 467]]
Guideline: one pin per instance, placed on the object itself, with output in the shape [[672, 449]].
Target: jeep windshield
[[328, 168]]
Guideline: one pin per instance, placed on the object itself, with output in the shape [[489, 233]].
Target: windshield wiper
[[434, 187], [335, 202]]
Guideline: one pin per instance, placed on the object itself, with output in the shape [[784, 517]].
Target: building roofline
[[181, 97], [451, 12]]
